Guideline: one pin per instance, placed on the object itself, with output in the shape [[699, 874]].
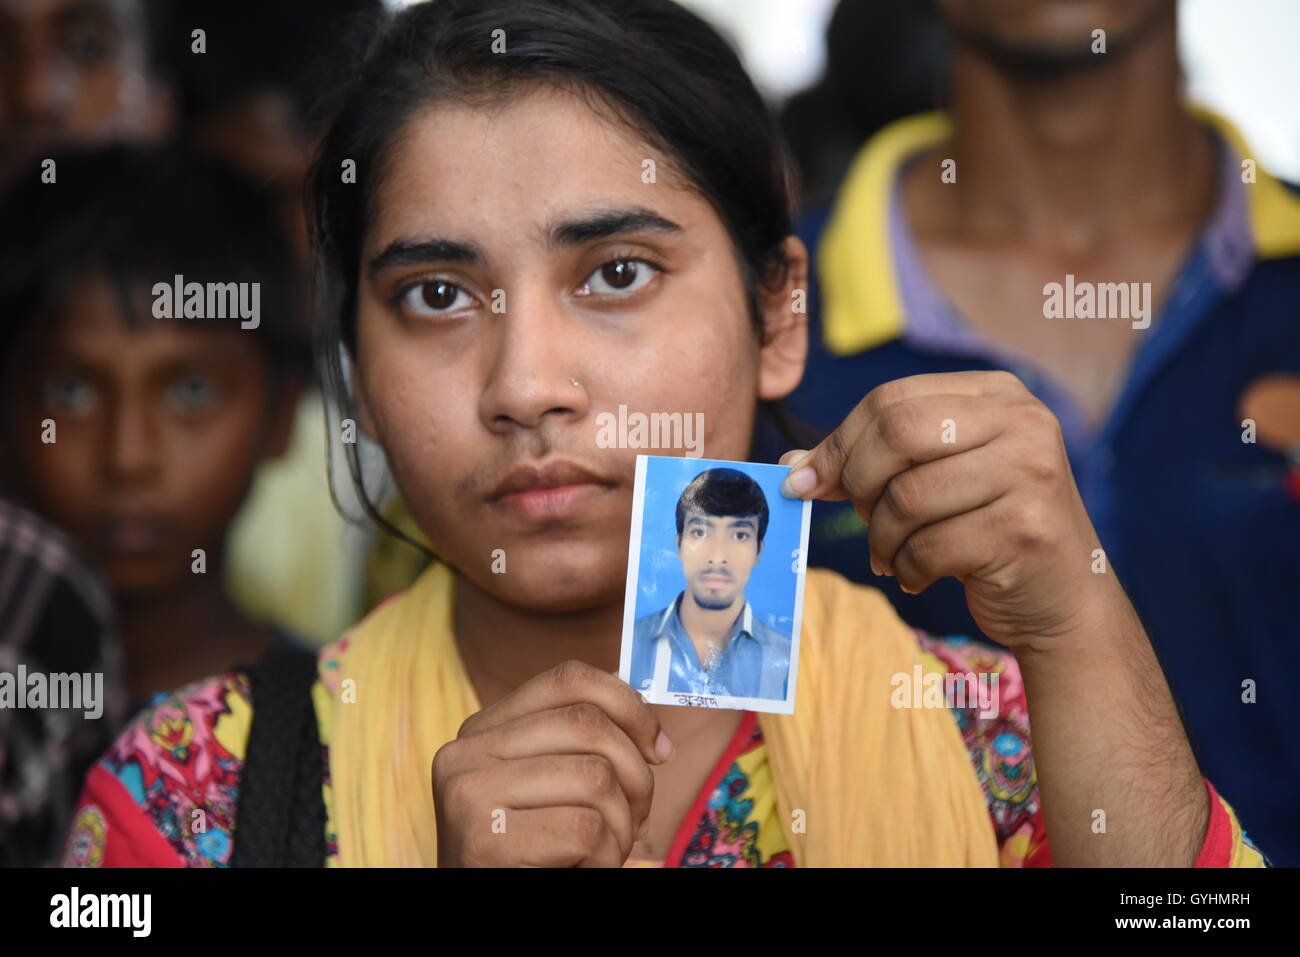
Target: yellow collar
[[861, 306]]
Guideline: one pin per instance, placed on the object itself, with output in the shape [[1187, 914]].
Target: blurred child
[[138, 418]]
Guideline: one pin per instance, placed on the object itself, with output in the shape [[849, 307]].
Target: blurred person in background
[[906, 73], [1069, 156], [134, 430], [55, 619], [77, 72], [72, 72], [251, 98]]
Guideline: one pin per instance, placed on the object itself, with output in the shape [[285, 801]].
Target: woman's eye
[[193, 394], [617, 277], [435, 298], [70, 395], [742, 536]]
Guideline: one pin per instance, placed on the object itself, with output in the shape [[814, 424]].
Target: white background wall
[[1242, 58]]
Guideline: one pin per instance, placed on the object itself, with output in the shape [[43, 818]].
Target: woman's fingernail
[[799, 482], [664, 748], [875, 566]]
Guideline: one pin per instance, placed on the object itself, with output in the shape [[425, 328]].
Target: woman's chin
[[555, 581]]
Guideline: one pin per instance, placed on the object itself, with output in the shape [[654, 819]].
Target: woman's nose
[[537, 369]]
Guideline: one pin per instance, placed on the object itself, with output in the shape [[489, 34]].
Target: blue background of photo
[[771, 586]]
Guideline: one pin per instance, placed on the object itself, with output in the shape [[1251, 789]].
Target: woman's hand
[[555, 774], [965, 474]]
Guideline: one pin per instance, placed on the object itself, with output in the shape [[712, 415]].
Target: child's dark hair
[[650, 65], [141, 216], [725, 493], [286, 46]]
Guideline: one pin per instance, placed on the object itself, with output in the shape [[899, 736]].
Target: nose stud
[[575, 383]]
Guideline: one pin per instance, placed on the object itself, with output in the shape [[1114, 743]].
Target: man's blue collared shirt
[[755, 663]]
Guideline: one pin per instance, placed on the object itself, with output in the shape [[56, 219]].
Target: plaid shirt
[[55, 618]]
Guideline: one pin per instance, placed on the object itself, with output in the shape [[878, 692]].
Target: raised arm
[[965, 474]]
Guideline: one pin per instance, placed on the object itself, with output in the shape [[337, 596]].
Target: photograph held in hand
[[713, 612]]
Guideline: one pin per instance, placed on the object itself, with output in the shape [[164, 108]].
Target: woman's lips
[[545, 492], [560, 501]]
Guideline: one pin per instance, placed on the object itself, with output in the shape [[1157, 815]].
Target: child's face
[[476, 408], [157, 428]]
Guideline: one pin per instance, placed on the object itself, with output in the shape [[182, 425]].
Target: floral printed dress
[[167, 793]]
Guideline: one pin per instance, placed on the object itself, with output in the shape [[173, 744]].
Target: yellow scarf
[[859, 782]]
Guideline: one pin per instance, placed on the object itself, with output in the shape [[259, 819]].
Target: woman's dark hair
[[650, 65]]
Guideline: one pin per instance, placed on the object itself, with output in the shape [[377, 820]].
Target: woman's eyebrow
[[419, 252], [566, 233], [608, 222]]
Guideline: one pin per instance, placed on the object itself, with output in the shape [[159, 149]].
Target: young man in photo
[[715, 644]]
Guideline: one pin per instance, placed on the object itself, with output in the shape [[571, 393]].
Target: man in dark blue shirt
[[1070, 161]]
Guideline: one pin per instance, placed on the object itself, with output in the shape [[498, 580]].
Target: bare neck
[[503, 646], [1069, 160], [188, 632], [708, 628]]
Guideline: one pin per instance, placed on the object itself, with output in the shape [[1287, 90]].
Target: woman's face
[[524, 273]]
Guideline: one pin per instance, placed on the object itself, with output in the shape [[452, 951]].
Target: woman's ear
[[785, 327]]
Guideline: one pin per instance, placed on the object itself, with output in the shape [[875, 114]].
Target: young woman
[[561, 206]]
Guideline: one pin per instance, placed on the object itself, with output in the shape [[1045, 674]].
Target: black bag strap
[[281, 817]]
